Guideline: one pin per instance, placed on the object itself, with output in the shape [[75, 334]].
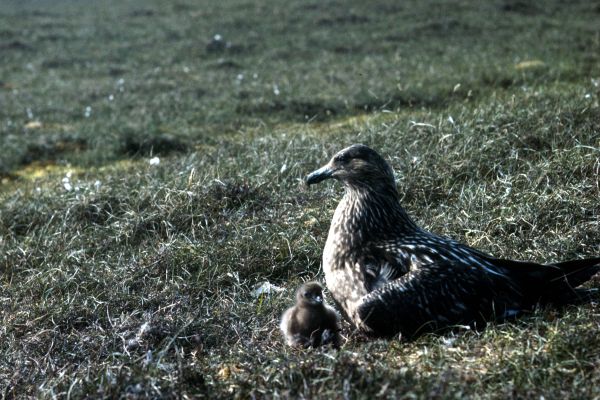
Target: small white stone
[[266, 288]]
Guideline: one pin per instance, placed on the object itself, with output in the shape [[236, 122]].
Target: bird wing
[[422, 248], [382, 263], [285, 323], [436, 296], [386, 261]]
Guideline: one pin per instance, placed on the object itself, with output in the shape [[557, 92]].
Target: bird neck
[[374, 213], [311, 306]]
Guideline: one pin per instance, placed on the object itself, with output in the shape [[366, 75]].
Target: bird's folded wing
[[383, 264], [432, 297]]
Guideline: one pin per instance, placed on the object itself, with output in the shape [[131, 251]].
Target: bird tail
[[563, 289], [577, 272], [554, 283]]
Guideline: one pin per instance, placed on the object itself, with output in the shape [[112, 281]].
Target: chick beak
[[319, 175]]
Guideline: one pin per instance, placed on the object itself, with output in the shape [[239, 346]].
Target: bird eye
[[342, 158], [306, 294]]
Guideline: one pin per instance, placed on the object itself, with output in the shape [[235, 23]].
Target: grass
[[124, 279]]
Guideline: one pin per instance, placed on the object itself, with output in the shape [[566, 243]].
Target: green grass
[[138, 282]]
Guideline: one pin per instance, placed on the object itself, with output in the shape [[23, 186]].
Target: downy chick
[[310, 322]]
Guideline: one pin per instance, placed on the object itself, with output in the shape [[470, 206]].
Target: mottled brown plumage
[[389, 276], [310, 322]]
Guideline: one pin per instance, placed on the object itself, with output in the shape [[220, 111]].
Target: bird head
[[356, 166], [310, 293]]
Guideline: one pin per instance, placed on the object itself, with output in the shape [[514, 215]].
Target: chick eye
[[342, 158], [306, 294]]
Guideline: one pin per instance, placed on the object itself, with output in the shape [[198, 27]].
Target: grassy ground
[[122, 278]]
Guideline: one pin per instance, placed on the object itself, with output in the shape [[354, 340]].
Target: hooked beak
[[319, 175]]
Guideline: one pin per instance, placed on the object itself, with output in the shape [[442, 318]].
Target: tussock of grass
[[121, 278]]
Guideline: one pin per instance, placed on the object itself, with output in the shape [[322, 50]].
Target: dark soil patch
[[16, 45], [162, 144], [52, 147]]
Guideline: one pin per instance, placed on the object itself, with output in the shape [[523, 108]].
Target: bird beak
[[319, 175]]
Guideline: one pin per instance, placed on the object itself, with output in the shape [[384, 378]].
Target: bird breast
[[344, 276]]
